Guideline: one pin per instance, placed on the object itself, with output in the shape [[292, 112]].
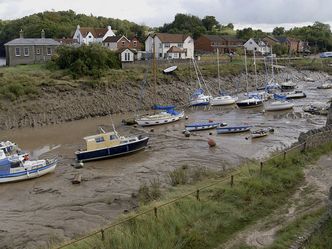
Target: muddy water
[[50, 209]]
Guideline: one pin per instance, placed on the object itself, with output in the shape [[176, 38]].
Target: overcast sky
[[263, 14]]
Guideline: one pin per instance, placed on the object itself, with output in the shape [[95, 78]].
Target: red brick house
[[121, 42], [210, 43], [135, 43], [270, 40]]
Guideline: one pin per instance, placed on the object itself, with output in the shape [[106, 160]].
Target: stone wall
[[329, 116], [316, 137]]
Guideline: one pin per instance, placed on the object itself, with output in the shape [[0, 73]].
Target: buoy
[[186, 117], [211, 142], [210, 133], [77, 179]]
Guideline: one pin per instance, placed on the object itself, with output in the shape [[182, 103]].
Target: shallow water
[[44, 209]]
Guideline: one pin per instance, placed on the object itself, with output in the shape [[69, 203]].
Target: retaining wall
[[316, 137]]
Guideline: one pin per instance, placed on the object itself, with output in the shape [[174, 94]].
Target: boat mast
[[154, 71], [272, 65], [255, 68], [218, 70], [246, 67]]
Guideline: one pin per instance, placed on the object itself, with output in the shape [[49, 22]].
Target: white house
[[259, 46], [170, 46], [127, 55], [88, 35]]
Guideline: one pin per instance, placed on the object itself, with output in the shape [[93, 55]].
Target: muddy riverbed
[[50, 208]]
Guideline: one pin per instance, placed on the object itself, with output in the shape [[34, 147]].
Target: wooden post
[[197, 194], [304, 146], [232, 181], [261, 169], [285, 155], [155, 212], [102, 234]]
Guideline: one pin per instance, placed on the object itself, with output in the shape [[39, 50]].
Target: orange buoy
[[211, 142]]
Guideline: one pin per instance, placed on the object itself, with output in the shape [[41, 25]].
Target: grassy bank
[[221, 211], [322, 239]]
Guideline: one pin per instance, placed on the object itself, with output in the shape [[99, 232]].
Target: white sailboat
[[223, 99], [278, 104], [167, 114]]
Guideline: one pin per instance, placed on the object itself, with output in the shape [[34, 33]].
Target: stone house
[[30, 50], [88, 35], [258, 46], [210, 43], [170, 46]]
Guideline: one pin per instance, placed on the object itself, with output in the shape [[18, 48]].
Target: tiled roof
[[175, 49], [32, 41], [165, 37], [96, 32], [67, 41], [112, 39]]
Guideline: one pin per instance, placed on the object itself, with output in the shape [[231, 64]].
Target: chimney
[[21, 34], [42, 34], [109, 27], [78, 26]]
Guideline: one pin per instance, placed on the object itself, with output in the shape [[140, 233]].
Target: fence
[[302, 147]]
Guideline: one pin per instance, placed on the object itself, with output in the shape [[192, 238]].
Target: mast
[[255, 69], [246, 67], [218, 70], [272, 65], [154, 71]]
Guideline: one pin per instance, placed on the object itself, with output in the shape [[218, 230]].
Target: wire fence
[[302, 147]]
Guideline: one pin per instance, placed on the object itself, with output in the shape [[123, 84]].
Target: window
[[49, 51], [123, 43], [38, 51], [99, 139], [167, 45], [135, 43], [26, 51], [112, 137], [160, 55], [180, 45], [175, 55], [160, 45], [90, 36], [128, 56], [17, 52]]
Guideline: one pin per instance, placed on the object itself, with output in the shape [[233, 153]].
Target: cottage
[[30, 50], [127, 55], [170, 46], [88, 35], [258, 46], [210, 43]]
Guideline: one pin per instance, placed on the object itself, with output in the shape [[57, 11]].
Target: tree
[[230, 25], [210, 22], [278, 31]]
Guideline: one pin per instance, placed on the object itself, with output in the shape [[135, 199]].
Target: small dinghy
[[18, 167], [170, 69], [110, 144], [203, 126], [261, 132], [288, 85], [325, 86], [298, 94], [233, 129], [308, 79]]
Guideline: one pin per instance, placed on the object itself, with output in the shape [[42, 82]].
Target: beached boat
[[279, 104], [110, 144], [233, 129], [308, 79], [297, 94], [251, 102], [325, 86], [288, 85], [168, 115], [8, 146], [203, 126], [20, 167], [261, 132], [170, 69]]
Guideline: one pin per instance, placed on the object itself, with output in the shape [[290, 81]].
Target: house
[[88, 35], [210, 43], [30, 50], [127, 55], [116, 42], [68, 41], [135, 43], [292, 44], [258, 46], [169, 46], [270, 40]]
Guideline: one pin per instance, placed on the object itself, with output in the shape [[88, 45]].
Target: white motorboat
[[288, 85], [325, 86], [251, 102], [278, 105], [297, 94], [161, 118], [170, 69], [20, 167], [223, 100]]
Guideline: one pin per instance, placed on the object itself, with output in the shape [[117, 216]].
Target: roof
[[67, 41], [115, 38], [272, 38], [165, 37], [130, 49], [96, 32], [33, 41], [175, 49]]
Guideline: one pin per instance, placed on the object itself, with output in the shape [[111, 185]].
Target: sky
[[263, 14]]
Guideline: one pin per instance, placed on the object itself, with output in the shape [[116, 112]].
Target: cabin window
[[49, 51], [99, 139], [17, 52], [26, 51], [38, 51], [16, 164], [132, 140], [112, 137]]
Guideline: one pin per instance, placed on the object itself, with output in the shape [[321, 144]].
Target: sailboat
[[279, 104], [223, 99], [253, 99], [198, 98], [167, 114]]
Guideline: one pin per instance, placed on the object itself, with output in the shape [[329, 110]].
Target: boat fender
[[211, 142]]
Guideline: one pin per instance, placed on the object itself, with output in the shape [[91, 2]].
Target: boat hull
[[29, 174], [159, 121], [279, 107], [249, 103], [234, 129], [222, 101], [201, 127], [120, 150]]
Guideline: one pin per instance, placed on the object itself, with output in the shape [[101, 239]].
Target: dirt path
[[310, 196]]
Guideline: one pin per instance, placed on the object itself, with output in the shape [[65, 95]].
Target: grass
[[322, 239], [221, 211]]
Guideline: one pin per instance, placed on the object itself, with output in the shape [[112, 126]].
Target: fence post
[[197, 194], [285, 155], [155, 212], [261, 169], [102, 234], [304, 146], [232, 180]]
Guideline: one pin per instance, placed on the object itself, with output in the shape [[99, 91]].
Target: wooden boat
[[20, 167], [110, 144], [170, 69], [233, 129], [203, 126], [259, 133]]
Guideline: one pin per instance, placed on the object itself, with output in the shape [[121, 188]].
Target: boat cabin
[[103, 140]]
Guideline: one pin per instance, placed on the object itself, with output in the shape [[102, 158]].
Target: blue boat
[[233, 129], [110, 144], [203, 126]]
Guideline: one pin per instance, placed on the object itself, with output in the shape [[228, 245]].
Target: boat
[[203, 126], [279, 104], [223, 98], [19, 167], [325, 86], [259, 133], [233, 129], [198, 98], [288, 85], [170, 69], [297, 94], [8, 146], [110, 144], [317, 109], [165, 114], [308, 79]]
